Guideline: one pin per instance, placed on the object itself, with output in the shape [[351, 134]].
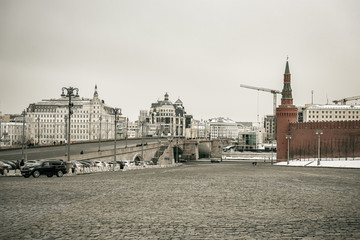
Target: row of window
[[349, 112], [51, 109], [339, 117], [51, 137], [61, 126], [63, 116]]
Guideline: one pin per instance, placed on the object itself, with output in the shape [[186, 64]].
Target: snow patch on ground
[[342, 163]]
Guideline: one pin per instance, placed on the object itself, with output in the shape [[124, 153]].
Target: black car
[[214, 160], [45, 167]]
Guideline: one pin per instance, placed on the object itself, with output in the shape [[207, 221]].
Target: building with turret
[[331, 131], [168, 119], [286, 113]]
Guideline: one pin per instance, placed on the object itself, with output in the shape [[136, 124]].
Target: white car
[[129, 163], [99, 164], [30, 163], [108, 164]]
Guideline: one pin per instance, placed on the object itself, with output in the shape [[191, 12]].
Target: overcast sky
[[200, 51]]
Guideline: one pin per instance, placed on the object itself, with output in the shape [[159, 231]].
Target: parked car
[[108, 164], [12, 163], [46, 167], [129, 163], [3, 163], [149, 162], [86, 164], [99, 164], [76, 165], [3, 168], [29, 163]]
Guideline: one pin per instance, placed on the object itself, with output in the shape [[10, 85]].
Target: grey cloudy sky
[[200, 51]]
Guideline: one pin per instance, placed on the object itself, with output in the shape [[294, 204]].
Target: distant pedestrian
[[82, 152]]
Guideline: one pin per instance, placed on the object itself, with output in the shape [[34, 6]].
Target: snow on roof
[[333, 106], [221, 120]]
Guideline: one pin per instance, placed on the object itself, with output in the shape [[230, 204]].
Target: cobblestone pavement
[[193, 201]]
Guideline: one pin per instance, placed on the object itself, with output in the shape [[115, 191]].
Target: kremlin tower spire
[[287, 92], [286, 113]]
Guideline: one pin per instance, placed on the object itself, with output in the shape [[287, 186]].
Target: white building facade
[[223, 128], [91, 119], [12, 133], [321, 113]]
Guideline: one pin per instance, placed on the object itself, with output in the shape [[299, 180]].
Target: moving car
[[214, 160]]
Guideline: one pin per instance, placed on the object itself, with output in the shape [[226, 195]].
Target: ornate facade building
[[168, 118], [91, 119]]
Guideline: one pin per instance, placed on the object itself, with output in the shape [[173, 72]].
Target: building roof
[[334, 106], [178, 101], [221, 120]]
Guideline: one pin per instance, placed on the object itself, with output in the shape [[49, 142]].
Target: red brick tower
[[286, 113]]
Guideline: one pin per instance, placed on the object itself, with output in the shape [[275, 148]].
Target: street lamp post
[[23, 136], [1, 136], [126, 132], [107, 129], [117, 111], [100, 118], [319, 133], [177, 151], [288, 137], [142, 141], [65, 135], [69, 94], [170, 140], [38, 121], [272, 152]]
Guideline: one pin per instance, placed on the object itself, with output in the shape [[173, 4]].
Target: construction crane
[[274, 92], [344, 100]]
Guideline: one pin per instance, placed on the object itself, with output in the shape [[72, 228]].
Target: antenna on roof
[[327, 99], [312, 96]]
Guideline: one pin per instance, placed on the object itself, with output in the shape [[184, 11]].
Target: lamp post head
[[288, 137], [319, 132], [70, 91], [117, 111]]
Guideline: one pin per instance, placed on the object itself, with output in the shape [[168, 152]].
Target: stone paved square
[[199, 200]]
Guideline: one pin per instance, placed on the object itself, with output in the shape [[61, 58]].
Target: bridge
[[160, 151]]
